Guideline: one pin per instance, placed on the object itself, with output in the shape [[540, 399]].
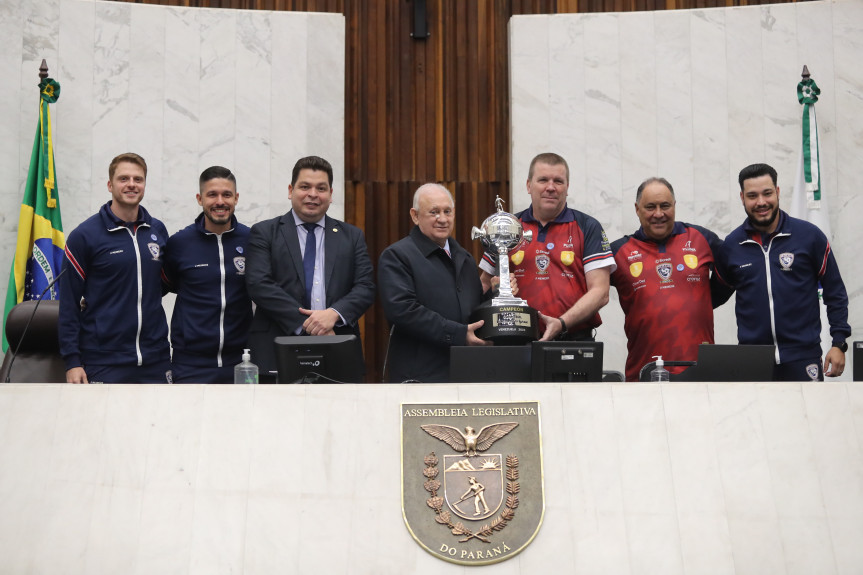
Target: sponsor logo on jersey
[[690, 260], [636, 268], [542, 262], [605, 245], [566, 258], [634, 255], [664, 272], [687, 247], [517, 257], [785, 260]]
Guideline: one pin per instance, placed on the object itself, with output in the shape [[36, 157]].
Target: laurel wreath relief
[[443, 516]]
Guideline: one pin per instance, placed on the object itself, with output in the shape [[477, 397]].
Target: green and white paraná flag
[[807, 200]]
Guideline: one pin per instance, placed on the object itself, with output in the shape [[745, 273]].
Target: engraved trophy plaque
[[508, 319]]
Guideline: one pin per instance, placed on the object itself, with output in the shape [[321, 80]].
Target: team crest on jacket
[[636, 268], [542, 261], [664, 272], [785, 260], [812, 371], [472, 489], [517, 257], [154, 250], [240, 264], [566, 258], [691, 261]]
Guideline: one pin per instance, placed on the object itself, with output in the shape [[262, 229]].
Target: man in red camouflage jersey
[[564, 272], [663, 278]]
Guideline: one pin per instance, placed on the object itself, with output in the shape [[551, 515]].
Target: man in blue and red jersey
[[112, 326], [663, 280], [777, 263], [564, 272]]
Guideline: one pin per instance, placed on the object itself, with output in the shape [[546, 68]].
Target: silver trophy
[[508, 319]]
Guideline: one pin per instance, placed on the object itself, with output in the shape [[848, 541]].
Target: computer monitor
[[489, 364], [566, 361], [319, 359]]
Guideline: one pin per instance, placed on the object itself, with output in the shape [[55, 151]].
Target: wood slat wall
[[435, 109]]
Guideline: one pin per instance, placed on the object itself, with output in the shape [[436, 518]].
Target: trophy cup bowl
[[508, 319]]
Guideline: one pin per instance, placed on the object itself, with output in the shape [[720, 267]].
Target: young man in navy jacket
[[777, 263], [205, 265], [112, 326]]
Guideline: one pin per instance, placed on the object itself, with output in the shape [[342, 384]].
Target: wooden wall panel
[[434, 109]]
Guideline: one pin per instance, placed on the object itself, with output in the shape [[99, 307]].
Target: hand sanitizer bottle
[[246, 371], [659, 373]]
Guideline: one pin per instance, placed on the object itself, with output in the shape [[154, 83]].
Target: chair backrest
[[38, 359]]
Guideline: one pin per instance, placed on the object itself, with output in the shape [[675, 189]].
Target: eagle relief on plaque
[[472, 490]]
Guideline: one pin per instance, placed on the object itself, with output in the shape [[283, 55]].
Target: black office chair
[[644, 374], [38, 359]]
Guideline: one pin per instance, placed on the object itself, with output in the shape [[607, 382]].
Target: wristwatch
[[843, 346]]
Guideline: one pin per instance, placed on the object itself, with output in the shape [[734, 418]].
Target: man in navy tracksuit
[[776, 263], [112, 326], [205, 265]]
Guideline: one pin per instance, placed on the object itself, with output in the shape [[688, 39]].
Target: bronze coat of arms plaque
[[472, 490]]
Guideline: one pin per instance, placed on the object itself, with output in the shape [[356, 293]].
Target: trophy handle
[[527, 236], [476, 233]]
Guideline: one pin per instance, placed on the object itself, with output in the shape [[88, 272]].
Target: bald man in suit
[[325, 293]]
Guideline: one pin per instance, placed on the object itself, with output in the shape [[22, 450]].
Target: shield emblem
[[154, 250], [517, 257], [240, 264], [691, 261], [473, 486], [785, 260], [566, 258], [542, 262], [635, 269], [463, 501], [664, 272], [812, 371]]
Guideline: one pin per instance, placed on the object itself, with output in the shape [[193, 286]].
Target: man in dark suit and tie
[[306, 272], [429, 285]]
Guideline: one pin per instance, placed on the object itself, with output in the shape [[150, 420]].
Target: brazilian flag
[[40, 249]]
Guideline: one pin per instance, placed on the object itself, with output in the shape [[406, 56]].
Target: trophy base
[[511, 324]]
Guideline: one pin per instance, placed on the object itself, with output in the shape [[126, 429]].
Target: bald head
[[434, 212]]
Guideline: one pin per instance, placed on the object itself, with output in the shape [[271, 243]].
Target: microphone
[[29, 321]]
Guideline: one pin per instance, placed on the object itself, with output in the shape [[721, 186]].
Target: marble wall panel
[[710, 77], [566, 92], [601, 191], [254, 51], [674, 101], [219, 82], [147, 87], [81, 189], [638, 116], [679, 478], [529, 58], [694, 96]]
